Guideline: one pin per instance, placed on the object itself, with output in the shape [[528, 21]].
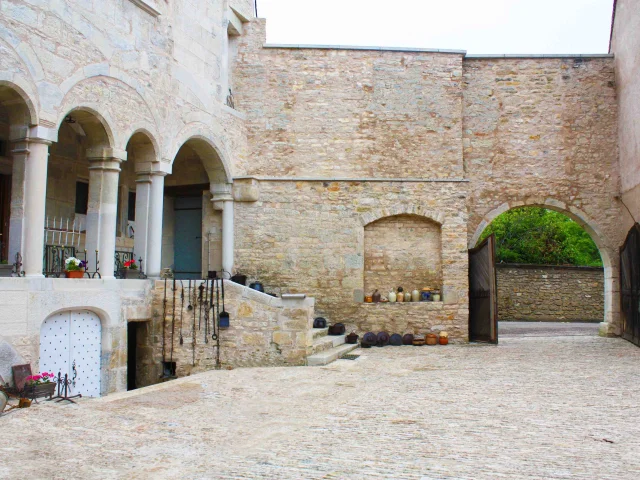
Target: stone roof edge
[[533, 55], [353, 47], [435, 50], [348, 179]]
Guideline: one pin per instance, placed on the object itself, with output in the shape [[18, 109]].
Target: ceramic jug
[[415, 296], [392, 297]]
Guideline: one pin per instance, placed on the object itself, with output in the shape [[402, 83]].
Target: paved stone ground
[[546, 329], [565, 407]]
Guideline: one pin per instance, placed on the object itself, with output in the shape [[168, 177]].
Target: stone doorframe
[[610, 260]]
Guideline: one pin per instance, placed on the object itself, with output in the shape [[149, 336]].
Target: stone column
[[222, 199], [19, 154], [35, 195], [156, 206], [143, 197], [227, 236], [104, 170]]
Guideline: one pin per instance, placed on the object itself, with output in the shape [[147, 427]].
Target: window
[[82, 197], [131, 213]]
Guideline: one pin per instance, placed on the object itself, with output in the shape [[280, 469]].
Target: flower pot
[[41, 390], [74, 273], [131, 274], [6, 270]]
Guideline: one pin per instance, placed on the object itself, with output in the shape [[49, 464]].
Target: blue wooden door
[[187, 247]]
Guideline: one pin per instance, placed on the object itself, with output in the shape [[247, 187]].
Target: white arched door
[[70, 342]]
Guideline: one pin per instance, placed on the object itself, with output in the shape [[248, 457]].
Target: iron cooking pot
[[257, 286]]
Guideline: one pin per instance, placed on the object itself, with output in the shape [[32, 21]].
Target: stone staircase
[[327, 348]]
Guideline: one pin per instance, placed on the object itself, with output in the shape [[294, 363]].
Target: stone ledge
[[363, 48], [534, 55]]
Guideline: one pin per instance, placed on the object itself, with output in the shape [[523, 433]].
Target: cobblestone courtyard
[[532, 407]]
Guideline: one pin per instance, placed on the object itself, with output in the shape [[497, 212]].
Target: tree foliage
[[541, 236]]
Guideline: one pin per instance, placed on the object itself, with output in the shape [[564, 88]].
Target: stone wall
[[550, 293], [265, 331], [403, 250], [308, 237], [625, 44]]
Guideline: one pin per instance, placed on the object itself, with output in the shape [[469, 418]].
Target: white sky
[[478, 26]]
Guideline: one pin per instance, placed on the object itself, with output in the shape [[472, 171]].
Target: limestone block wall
[[550, 293], [625, 44], [309, 237], [403, 250], [350, 113], [538, 129], [265, 331]]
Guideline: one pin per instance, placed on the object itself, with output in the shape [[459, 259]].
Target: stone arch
[[20, 87], [201, 134], [607, 252], [103, 118], [126, 106], [403, 209], [149, 132], [109, 71]]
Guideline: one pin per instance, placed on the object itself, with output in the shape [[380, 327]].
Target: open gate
[[630, 286], [483, 293]]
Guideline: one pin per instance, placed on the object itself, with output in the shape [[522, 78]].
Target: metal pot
[[257, 286], [241, 279]]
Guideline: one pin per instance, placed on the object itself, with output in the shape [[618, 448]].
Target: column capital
[[102, 153], [220, 193]]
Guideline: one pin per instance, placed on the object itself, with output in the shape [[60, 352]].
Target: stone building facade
[[168, 131]]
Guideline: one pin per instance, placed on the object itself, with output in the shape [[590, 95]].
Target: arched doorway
[[192, 226], [16, 116], [70, 343], [82, 194], [550, 267]]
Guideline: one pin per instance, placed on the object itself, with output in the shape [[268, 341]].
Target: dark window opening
[[82, 197], [131, 214]]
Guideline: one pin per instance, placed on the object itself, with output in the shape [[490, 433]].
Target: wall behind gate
[[550, 293]]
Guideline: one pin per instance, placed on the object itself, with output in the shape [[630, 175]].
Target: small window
[[131, 214], [82, 197]]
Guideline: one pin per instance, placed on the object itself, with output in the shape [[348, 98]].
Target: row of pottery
[[383, 339], [424, 295]]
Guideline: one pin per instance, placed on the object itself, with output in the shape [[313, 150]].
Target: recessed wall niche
[[402, 250]]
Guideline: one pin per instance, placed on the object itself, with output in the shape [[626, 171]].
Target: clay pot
[[418, 340], [368, 299], [74, 273], [432, 339], [443, 340], [376, 297]]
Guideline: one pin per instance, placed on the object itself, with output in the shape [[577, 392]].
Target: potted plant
[[131, 269], [6, 269], [74, 267], [40, 385]]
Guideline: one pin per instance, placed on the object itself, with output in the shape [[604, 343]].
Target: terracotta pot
[[432, 339], [74, 273], [443, 340], [368, 299]]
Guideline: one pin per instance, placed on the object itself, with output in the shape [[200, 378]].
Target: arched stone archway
[[608, 253]]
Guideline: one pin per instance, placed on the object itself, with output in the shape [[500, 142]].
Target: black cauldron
[[337, 329], [257, 286], [407, 339], [382, 339], [241, 279], [320, 322], [369, 339], [395, 340]]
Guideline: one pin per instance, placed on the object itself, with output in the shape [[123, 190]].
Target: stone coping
[[72, 284], [532, 266], [435, 50], [544, 55], [363, 48]]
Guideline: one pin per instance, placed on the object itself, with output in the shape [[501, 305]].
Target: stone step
[[325, 343], [328, 356], [320, 332]]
